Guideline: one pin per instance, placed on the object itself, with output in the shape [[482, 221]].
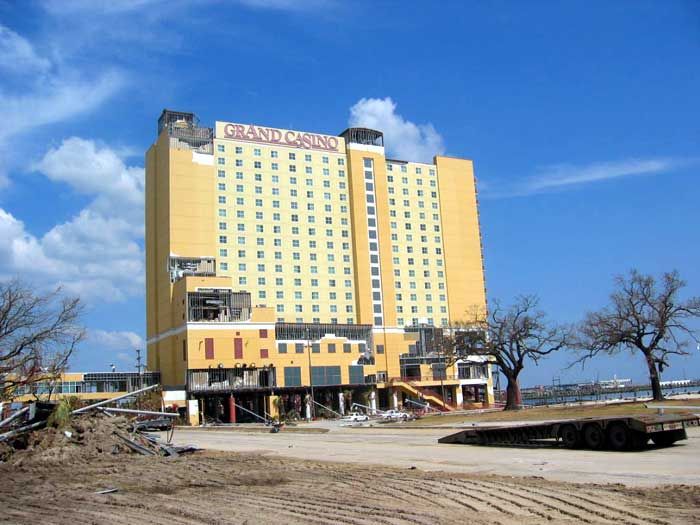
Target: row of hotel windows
[[403, 168], [330, 245], [296, 256], [332, 320], [223, 239], [260, 228], [404, 180], [257, 152], [279, 269], [275, 166], [259, 215], [240, 188], [279, 281], [428, 309], [240, 201], [415, 321]]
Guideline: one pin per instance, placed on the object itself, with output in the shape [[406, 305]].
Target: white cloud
[[403, 139], [56, 99], [17, 55], [118, 340], [569, 176], [97, 254]]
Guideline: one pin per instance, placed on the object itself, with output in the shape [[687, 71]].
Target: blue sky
[[581, 119]]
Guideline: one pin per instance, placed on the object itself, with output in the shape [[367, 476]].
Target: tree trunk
[[514, 400], [656, 391]]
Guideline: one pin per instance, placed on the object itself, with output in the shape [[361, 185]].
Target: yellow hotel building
[[283, 264]]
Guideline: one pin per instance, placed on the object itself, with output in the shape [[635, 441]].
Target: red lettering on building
[[274, 136]]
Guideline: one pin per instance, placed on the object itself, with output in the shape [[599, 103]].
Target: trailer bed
[[595, 433]]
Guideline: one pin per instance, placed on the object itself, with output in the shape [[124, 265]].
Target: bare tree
[[38, 333], [644, 316], [511, 335]]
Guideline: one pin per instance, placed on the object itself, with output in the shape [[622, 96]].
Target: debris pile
[[44, 432]]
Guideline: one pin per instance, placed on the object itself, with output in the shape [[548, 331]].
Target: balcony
[[223, 380], [218, 306]]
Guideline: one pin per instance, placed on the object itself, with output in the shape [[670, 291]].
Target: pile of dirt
[[85, 438]]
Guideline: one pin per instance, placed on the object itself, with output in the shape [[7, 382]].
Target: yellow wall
[[461, 237]]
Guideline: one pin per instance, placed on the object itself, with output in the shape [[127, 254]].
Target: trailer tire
[[570, 436], [668, 438], [593, 436], [619, 436]]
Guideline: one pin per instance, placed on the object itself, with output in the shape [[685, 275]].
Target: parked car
[[396, 415], [354, 417]]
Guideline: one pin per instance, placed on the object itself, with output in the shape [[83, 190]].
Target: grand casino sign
[[280, 137]]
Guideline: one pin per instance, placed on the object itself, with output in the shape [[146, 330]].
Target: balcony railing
[[230, 379]]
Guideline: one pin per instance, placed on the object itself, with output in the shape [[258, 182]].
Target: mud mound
[[87, 437]]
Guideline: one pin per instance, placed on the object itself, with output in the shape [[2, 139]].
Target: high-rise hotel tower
[[281, 261]]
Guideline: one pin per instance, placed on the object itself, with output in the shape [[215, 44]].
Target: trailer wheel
[[570, 436], [668, 438], [593, 436], [619, 436]]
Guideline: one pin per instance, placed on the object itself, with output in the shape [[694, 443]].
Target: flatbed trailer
[[595, 433]]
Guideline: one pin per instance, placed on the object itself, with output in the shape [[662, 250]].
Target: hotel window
[[239, 188], [242, 281], [258, 189], [326, 172], [223, 252], [223, 266], [257, 152], [240, 201], [241, 254], [292, 168], [222, 213], [261, 255], [403, 168], [223, 239], [222, 225], [307, 157], [308, 170], [239, 175], [241, 267], [390, 167], [279, 281], [239, 150], [222, 199], [258, 203], [221, 160], [239, 163], [273, 154], [341, 173], [222, 174], [324, 160], [274, 166], [292, 156]]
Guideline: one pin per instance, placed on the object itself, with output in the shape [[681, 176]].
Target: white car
[[354, 417], [396, 415]]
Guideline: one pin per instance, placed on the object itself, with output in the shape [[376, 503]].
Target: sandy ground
[[388, 475], [404, 447], [226, 487]]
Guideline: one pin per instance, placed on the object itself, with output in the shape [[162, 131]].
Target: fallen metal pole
[[13, 416], [21, 430], [251, 413], [140, 412], [329, 409], [107, 401]]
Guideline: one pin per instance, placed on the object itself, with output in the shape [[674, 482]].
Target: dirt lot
[[404, 446], [385, 474], [218, 487]]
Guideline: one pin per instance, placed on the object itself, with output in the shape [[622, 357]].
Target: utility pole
[[140, 381], [311, 379]]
